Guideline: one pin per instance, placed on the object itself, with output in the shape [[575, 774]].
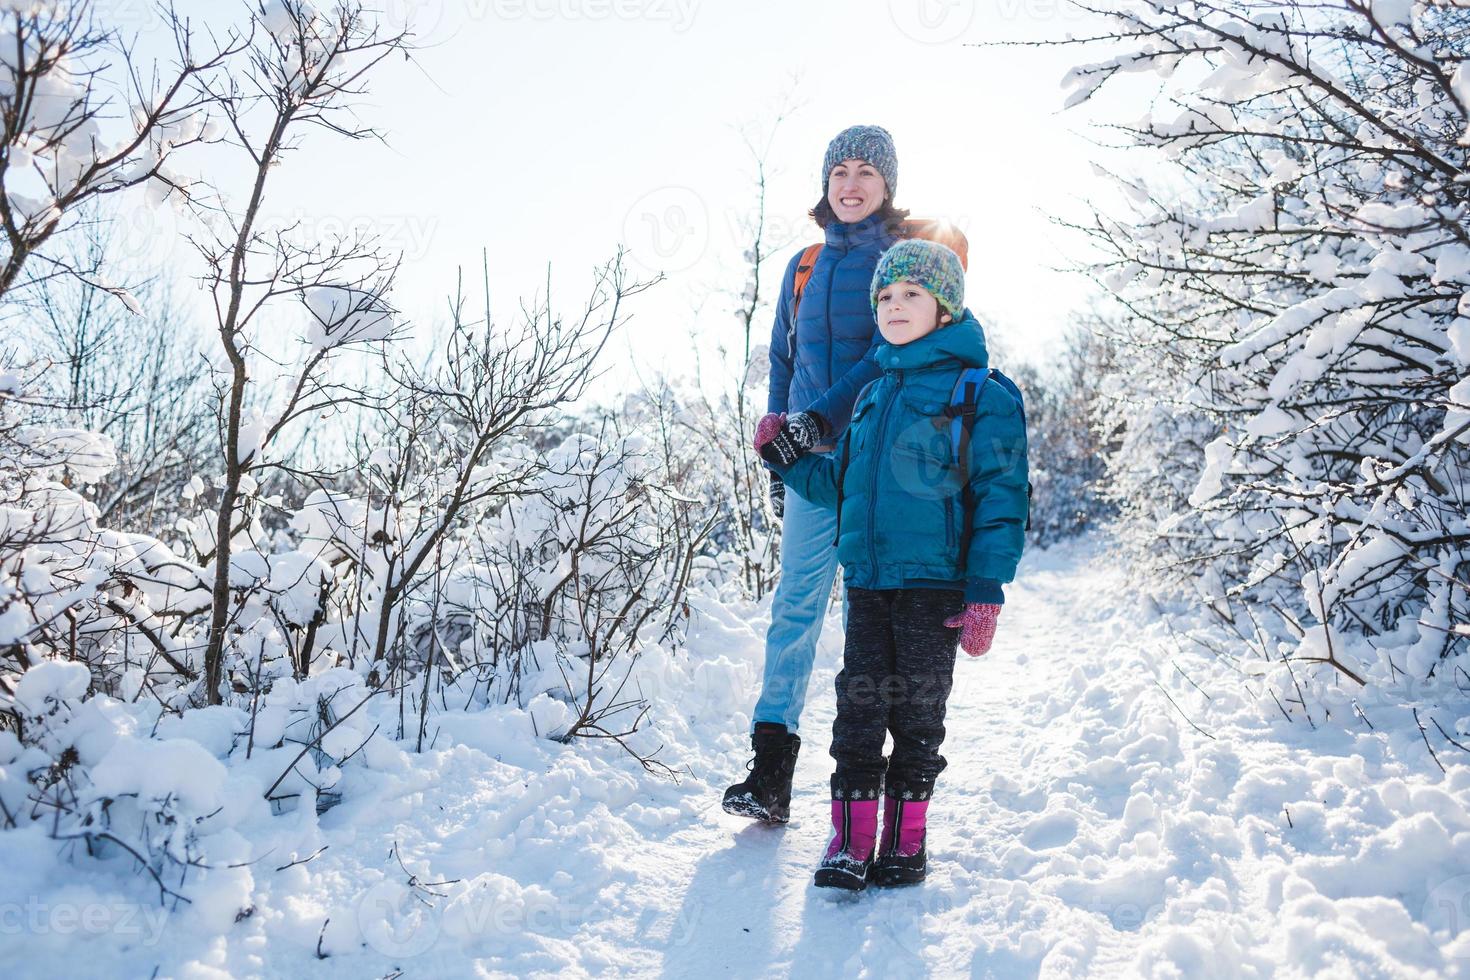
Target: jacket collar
[[961, 343], [869, 231]]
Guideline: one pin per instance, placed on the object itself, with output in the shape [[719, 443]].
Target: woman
[[821, 356]]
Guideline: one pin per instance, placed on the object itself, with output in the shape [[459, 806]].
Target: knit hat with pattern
[[870, 143], [931, 265]]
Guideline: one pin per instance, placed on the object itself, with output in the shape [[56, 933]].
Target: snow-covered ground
[[1084, 827]]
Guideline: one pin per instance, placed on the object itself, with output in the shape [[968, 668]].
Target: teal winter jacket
[[902, 505]]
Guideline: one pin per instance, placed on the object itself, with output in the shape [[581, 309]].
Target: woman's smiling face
[[906, 312], [855, 190]]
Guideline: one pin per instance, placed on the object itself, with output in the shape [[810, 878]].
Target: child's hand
[[976, 625]]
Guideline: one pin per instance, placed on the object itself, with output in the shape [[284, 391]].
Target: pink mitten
[[767, 427], [976, 625]]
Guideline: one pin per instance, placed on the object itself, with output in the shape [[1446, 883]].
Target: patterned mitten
[[798, 433]]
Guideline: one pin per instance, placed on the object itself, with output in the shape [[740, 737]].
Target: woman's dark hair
[[892, 217]]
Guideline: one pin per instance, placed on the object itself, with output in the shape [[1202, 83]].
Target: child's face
[[855, 190], [906, 312]]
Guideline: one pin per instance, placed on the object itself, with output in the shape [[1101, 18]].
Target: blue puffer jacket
[[899, 483], [835, 332]]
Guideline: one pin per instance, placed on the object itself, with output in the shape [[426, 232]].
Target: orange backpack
[[930, 229]]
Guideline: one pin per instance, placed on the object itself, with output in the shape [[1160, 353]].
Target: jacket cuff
[[986, 591], [832, 418], [778, 470], [824, 427]]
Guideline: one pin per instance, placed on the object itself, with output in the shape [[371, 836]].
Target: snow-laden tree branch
[[1295, 323]]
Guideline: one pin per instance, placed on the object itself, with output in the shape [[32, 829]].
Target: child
[[912, 582]]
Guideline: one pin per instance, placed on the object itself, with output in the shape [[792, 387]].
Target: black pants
[[897, 671]]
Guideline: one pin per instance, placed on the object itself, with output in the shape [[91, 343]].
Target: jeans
[[808, 569]]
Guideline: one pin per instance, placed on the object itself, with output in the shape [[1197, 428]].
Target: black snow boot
[[766, 793]]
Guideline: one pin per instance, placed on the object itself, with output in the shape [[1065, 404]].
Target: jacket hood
[[962, 342]]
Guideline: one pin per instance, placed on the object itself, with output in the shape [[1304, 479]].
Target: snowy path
[[723, 924], [690, 891], [1084, 828]]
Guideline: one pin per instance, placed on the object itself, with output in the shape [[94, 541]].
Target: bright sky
[[551, 131]]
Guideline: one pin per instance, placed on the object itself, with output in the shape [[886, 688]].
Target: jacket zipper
[[877, 468], [949, 529], [831, 335]]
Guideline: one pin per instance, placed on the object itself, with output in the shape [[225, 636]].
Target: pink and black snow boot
[[849, 855], [901, 856]]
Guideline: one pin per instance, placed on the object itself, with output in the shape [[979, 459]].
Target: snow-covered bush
[[74, 129], [468, 567], [68, 585], [1295, 332], [482, 546], [138, 377], [1066, 435], [95, 781]]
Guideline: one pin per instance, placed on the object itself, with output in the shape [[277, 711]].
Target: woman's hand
[[783, 444], [976, 625], [767, 428]]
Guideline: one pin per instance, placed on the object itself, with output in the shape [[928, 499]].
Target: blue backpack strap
[[964, 400], [963, 404]]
